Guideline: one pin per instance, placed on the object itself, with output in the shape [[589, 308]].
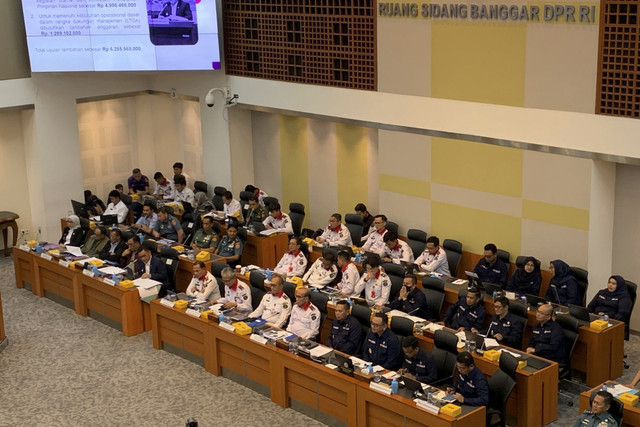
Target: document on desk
[[74, 250], [146, 283], [490, 342], [357, 362], [319, 351], [148, 293], [269, 231], [433, 327], [112, 270], [86, 260], [516, 355], [618, 389]]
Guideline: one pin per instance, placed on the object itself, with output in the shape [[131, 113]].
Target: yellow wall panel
[[352, 166], [294, 166], [481, 167], [409, 187], [475, 228], [478, 61], [556, 214]]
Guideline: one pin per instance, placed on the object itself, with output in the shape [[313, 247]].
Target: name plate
[[167, 303], [193, 313], [46, 256], [380, 387], [109, 282], [25, 248], [257, 338], [88, 273], [63, 263], [227, 326], [427, 406]]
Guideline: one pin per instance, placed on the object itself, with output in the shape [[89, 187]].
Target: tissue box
[[628, 399], [203, 256], [205, 314], [599, 325], [32, 243], [296, 281], [96, 262], [180, 304], [179, 248], [126, 284], [242, 328], [522, 364], [492, 355], [451, 410]]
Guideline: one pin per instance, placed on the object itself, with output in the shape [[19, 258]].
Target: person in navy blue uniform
[[467, 313], [526, 280], [470, 385], [346, 331], [491, 269], [547, 337], [563, 286], [410, 299], [418, 362], [381, 346], [614, 300], [505, 327]]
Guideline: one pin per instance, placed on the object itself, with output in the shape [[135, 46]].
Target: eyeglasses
[[377, 325], [498, 307], [300, 296]]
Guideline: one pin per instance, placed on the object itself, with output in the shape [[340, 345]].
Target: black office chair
[[217, 198], [582, 276], [520, 310], [453, 249], [401, 326], [296, 213], [353, 222], [330, 250], [200, 187], [126, 199], [392, 226], [320, 300], [490, 288], [189, 228], [580, 313], [445, 351], [616, 409], [256, 279], [169, 257], [258, 226], [363, 316], [221, 286], [268, 200], [433, 290], [501, 384], [217, 267], [256, 296], [244, 201], [152, 245], [570, 327], [396, 275], [417, 241], [290, 289], [534, 301], [504, 256]]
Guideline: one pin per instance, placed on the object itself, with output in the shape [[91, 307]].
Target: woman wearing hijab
[[563, 287], [613, 300], [526, 280], [72, 235]]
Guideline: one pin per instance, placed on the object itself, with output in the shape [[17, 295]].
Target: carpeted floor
[[64, 369]]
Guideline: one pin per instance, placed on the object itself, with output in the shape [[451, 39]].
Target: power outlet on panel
[[24, 231]]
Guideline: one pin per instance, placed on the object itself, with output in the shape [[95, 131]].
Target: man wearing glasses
[[470, 385], [236, 294], [375, 241], [275, 306], [381, 346], [375, 282], [305, 317], [505, 327], [547, 338], [335, 234]]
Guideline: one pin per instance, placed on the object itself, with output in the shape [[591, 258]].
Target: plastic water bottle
[[95, 270], [524, 300], [358, 257], [38, 249], [394, 386], [604, 387], [141, 237], [605, 317], [370, 369], [268, 274], [430, 397], [221, 318]]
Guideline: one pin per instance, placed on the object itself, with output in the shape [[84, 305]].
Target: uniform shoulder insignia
[[245, 297], [300, 261], [313, 317], [285, 305], [238, 245]]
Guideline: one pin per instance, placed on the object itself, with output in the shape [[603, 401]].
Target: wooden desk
[[85, 294], [630, 414], [291, 380]]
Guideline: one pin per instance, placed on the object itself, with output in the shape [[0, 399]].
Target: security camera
[[210, 99]]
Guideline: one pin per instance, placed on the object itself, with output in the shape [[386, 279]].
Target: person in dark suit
[[112, 251], [73, 234], [177, 8], [148, 266]]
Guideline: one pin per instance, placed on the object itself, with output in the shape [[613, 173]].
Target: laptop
[[344, 364], [186, 207], [536, 362], [412, 385], [109, 219], [474, 280], [478, 339], [79, 209]]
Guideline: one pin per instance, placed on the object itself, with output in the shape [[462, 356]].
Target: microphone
[[413, 311], [555, 289]]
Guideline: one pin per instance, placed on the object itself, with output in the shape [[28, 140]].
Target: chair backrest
[[520, 310], [392, 226], [256, 279], [500, 387], [268, 200], [453, 249], [200, 187], [217, 197], [167, 252], [504, 256], [362, 315], [417, 241], [445, 352], [615, 409], [401, 326], [290, 289], [508, 364], [353, 222], [152, 245], [256, 296], [330, 250], [520, 260], [582, 276], [244, 201], [217, 267], [490, 288], [296, 213], [570, 326], [433, 290], [396, 275], [632, 289], [126, 199], [172, 266], [221, 286]]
